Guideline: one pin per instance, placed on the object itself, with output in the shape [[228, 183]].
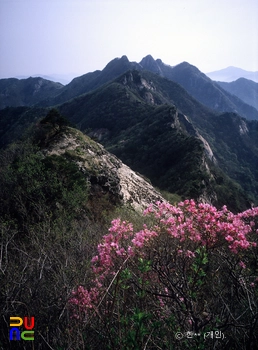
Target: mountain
[[232, 73], [91, 81], [201, 87], [136, 119], [189, 77], [132, 116], [155, 127], [26, 92], [246, 90]]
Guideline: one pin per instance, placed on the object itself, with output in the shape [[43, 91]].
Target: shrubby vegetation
[[190, 271], [50, 225], [43, 240], [15, 121]]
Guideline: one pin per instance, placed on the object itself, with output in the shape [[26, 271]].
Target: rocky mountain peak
[[147, 60], [106, 174], [148, 63], [124, 58], [116, 62]]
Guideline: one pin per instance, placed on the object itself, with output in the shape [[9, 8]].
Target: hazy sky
[[80, 36]]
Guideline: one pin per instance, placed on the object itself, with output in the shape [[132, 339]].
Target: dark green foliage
[[49, 127], [163, 154], [44, 235], [111, 107], [228, 191], [35, 187], [55, 119], [15, 121], [47, 240]]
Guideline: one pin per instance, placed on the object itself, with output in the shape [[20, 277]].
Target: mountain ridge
[[203, 88], [189, 77], [131, 127], [140, 114], [106, 173]]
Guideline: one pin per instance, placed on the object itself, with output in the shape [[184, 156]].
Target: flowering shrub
[[192, 269]]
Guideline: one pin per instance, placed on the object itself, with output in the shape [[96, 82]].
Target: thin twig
[[120, 268], [145, 346], [46, 341]]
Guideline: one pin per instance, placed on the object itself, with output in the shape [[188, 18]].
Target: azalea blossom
[[190, 227]]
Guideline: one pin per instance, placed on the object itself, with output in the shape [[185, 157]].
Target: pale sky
[[80, 36]]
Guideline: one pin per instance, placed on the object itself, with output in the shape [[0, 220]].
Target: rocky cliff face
[[106, 174]]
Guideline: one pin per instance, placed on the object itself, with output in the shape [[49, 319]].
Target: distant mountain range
[[232, 73], [63, 79], [174, 125], [196, 83]]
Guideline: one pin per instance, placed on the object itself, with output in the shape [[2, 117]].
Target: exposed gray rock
[[105, 170]]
